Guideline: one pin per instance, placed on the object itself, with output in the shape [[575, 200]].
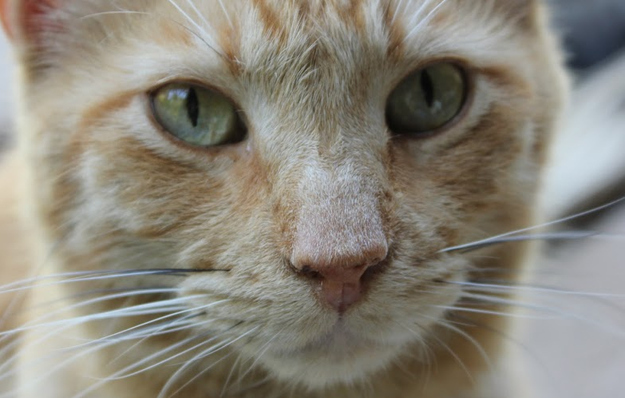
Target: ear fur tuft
[[4, 17], [23, 20]]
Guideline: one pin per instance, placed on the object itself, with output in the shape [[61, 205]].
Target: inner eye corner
[[412, 119]]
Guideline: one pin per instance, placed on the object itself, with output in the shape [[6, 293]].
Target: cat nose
[[340, 274]]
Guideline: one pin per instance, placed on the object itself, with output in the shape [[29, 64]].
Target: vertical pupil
[[193, 107], [428, 87]]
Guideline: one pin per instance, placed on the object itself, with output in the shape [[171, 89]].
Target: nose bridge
[[340, 223]]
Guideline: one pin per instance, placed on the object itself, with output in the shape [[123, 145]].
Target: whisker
[[140, 331], [474, 342], [223, 8], [538, 226], [88, 276], [446, 348], [398, 7], [506, 337], [200, 356], [58, 366], [455, 308], [203, 35], [554, 236], [257, 358], [141, 309], [193, 313], [498, 287], [202, 372], [118, 12], [236, 363], [419, 13], [123, 375], [172, 326], [68, 323], [145, 332], [425, 20], [550, 310]]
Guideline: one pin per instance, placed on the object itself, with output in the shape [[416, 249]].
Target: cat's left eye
[[197, 115]]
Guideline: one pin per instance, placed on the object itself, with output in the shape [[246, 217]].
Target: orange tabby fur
[[319, 177]]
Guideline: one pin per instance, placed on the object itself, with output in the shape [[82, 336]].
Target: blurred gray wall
[[592, 29]]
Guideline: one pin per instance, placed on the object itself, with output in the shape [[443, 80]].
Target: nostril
[[373, 269], [339, 285], [376, 261], [309, 272]]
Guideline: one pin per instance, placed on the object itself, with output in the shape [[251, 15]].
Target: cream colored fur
[[319, 176]]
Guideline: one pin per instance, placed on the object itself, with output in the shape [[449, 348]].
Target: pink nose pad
[[341, 279], [341, 287]]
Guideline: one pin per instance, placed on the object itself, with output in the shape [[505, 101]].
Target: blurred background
[[574, 339], [5, 90]]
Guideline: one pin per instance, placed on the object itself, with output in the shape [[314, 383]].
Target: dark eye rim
[[172, 138], [468, 75]]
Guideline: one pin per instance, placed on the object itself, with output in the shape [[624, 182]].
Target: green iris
[[427, 99], [197, 115]]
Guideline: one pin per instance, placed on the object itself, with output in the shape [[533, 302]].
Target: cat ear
[[25, 21]]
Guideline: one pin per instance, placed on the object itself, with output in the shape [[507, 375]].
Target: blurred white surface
[[6, 87], [574, 343], [589, 152]]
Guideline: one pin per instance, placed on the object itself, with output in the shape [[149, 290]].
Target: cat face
[[323, 218]]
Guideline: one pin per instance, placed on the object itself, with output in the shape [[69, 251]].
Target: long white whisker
[[425, 20], [71, 323], [258, 357], [142, 309], [489, 312], [225, 11], [549, 310], [233, 368], [535, 227], [449, 350], [197, 12], [534, 289], [122, 374], [193, 311], [472, 340], [68, 324], [398, 7], [167, 328], [554, 236], [61, 365], [89, 276], [176, 375], [203, 33], [419, 13], [198, 357], [97, 14]]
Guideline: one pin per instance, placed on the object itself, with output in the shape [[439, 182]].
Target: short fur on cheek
[[319, 178]]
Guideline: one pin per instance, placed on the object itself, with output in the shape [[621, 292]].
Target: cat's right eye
[[427, 100], [196, 115]]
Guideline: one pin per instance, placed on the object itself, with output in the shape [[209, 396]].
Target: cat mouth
[[341, 343]]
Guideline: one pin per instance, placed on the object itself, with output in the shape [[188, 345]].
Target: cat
[[272, 198]]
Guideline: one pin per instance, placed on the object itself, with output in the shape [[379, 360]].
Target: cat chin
[[338, 358], [322, 370]]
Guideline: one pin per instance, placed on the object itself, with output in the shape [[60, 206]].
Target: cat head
[[305, 164]]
